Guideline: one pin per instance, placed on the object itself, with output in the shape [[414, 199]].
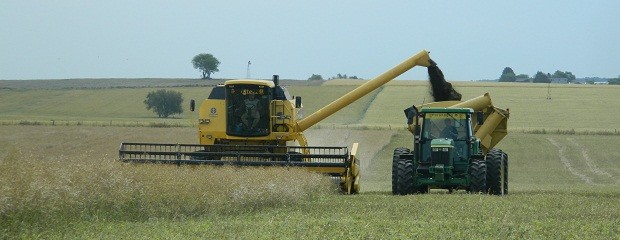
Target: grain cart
[[254, 123], [453, 148]]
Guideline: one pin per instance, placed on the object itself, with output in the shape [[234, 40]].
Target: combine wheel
[[346, 187], [354, 186], [478, 177], [349, 187], [395, 158], [497, 172], [404, 172]]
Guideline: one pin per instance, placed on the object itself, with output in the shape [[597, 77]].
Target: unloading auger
[[252, 123]]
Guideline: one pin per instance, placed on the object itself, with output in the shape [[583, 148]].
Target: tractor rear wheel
[[404, 172], [505, 173], [497, 172], [395, 158], [478, 177]]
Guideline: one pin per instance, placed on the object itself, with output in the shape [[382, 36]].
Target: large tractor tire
[[478, 177], [497, 172], [404, 172], [505, 173], [395, 158]]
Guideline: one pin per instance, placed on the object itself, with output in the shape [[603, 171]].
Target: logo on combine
[[213, 111]]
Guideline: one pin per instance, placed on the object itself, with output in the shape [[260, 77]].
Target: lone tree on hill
[[164, 103], [207, 63]]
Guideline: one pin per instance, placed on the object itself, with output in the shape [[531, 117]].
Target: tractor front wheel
[[395, 158], [478, 177], [404, 184]]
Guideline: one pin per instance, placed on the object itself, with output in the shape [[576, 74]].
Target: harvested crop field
[[61, 177], [65, 182]]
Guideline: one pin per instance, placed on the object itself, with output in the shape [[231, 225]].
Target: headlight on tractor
[[440, 149]]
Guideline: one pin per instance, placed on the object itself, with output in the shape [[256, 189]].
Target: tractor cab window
[[446, 125], [455, 126], [247, 110]]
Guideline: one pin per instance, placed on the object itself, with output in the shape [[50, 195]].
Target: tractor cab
[[445, 138], [453, 148]]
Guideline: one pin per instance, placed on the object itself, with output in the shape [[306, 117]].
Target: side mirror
[[480, 118], [192, 105], [297, 102], [411, 113]]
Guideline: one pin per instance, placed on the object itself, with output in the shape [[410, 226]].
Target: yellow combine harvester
[[254, 122]]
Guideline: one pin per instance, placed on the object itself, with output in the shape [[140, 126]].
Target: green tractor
[[453, 149]]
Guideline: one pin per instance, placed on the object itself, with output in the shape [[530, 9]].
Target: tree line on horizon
[[208, 64], [508, 75]]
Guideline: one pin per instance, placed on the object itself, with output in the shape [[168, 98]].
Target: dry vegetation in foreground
[[65, 182], [39, 187], [44, 185]]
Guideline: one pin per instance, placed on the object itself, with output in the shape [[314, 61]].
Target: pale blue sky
[[295, 39]]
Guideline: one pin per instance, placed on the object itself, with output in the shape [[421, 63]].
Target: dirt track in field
[[370, 141], [567, 162], [586, 157], [590, 171]]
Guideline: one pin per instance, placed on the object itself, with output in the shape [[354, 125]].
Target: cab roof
[[251, 82], [446, 110]]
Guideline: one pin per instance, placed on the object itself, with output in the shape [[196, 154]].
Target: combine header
[[323, 159], [254, 122]]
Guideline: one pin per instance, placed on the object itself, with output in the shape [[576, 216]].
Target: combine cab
[[255, 122]]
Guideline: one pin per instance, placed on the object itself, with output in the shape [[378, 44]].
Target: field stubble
[[66, 182], [69, 173]]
